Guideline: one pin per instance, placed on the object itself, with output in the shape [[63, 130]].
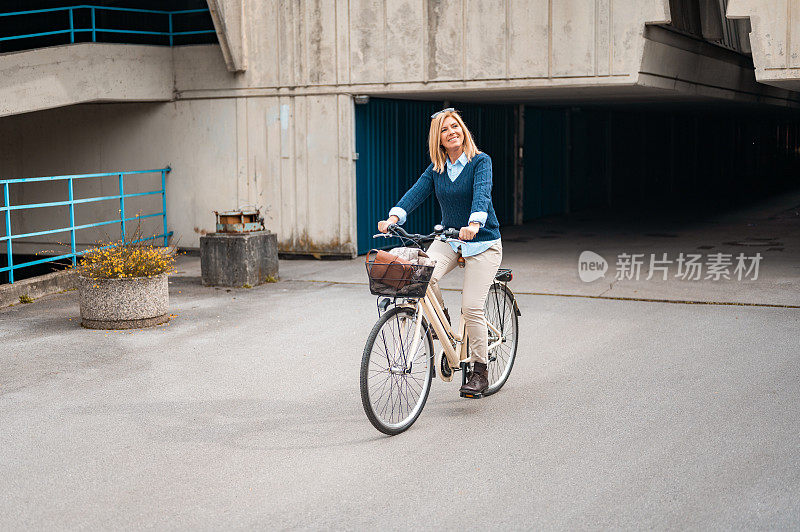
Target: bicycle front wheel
[[394, 380], [500, 311]]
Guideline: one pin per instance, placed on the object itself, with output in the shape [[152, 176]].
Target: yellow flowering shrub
[[124, 259]]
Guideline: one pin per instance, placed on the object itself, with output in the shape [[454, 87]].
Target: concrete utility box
[[237, 259]]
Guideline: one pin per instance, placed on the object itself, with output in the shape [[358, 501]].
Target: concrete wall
[[267, 118], [292, 155], [270, 120], [775, 39], [419, 46], [66, 75]]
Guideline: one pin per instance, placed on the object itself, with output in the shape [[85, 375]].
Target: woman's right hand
[[383, 225]]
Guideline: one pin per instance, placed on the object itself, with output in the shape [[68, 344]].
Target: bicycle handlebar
[[444, 234]]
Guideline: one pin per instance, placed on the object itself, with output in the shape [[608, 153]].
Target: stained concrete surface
[[244, 412]]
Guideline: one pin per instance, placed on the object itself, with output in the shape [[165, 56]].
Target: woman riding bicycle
[[461, 177]]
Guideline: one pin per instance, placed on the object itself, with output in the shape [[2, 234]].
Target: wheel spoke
[[403, 395], [414, 382]]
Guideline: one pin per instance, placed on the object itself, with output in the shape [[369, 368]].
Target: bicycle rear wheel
[[394, 392], [500, 311]]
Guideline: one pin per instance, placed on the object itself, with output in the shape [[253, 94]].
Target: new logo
[[591, 266]]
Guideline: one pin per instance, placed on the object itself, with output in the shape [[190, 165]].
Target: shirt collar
[[461, 160]]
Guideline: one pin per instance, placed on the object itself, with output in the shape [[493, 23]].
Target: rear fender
[[510, 293]]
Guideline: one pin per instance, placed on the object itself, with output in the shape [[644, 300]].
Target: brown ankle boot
[[477, 383]]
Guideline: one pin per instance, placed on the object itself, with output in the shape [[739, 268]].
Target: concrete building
[[317, 110]]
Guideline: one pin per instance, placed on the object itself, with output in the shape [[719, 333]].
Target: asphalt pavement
[[244, 410]]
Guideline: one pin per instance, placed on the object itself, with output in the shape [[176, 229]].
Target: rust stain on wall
[[307, 245]]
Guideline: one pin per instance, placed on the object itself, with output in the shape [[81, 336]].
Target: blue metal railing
[[94, 30], [71, 202]]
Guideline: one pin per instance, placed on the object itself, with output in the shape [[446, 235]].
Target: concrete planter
[[128, 303]]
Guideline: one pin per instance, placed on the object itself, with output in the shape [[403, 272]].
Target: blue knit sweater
[[470, 192]]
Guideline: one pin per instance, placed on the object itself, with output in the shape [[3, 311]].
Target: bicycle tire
[[379, 361], [503, 315]]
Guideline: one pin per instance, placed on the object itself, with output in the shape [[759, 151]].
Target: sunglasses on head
[[437, 113]]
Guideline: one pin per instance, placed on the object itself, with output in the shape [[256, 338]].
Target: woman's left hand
[[469, 232]]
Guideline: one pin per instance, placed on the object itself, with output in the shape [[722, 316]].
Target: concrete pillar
[[238, 259]]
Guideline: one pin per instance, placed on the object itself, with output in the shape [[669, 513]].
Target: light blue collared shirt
[[454, 169], [468, 249]]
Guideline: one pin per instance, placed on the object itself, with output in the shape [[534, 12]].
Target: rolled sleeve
[[479, 217], [401, 215]]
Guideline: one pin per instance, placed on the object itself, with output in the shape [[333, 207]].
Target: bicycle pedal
[[469, 395]]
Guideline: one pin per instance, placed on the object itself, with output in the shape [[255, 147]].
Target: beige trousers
[[479, 274]]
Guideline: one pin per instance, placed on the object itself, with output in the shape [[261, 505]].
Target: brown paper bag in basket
[[389, 269]]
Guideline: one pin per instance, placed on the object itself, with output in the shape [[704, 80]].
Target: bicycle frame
[[430, 308], [455, 348]]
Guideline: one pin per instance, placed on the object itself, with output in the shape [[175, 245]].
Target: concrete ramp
[[45, 78]]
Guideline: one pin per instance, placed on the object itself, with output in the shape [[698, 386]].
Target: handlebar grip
[[397, 230], [451, 233]]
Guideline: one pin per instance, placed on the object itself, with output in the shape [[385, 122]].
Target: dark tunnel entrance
[[631, 161]]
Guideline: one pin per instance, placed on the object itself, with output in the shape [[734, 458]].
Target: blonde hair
[[437, 152]]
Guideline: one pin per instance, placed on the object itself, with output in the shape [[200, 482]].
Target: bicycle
[[398, 363]]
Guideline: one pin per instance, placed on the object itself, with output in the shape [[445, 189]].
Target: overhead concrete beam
[[46, 78], [657, 12], [694, 68], [774, 39], [229, 22], [381, 43]]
